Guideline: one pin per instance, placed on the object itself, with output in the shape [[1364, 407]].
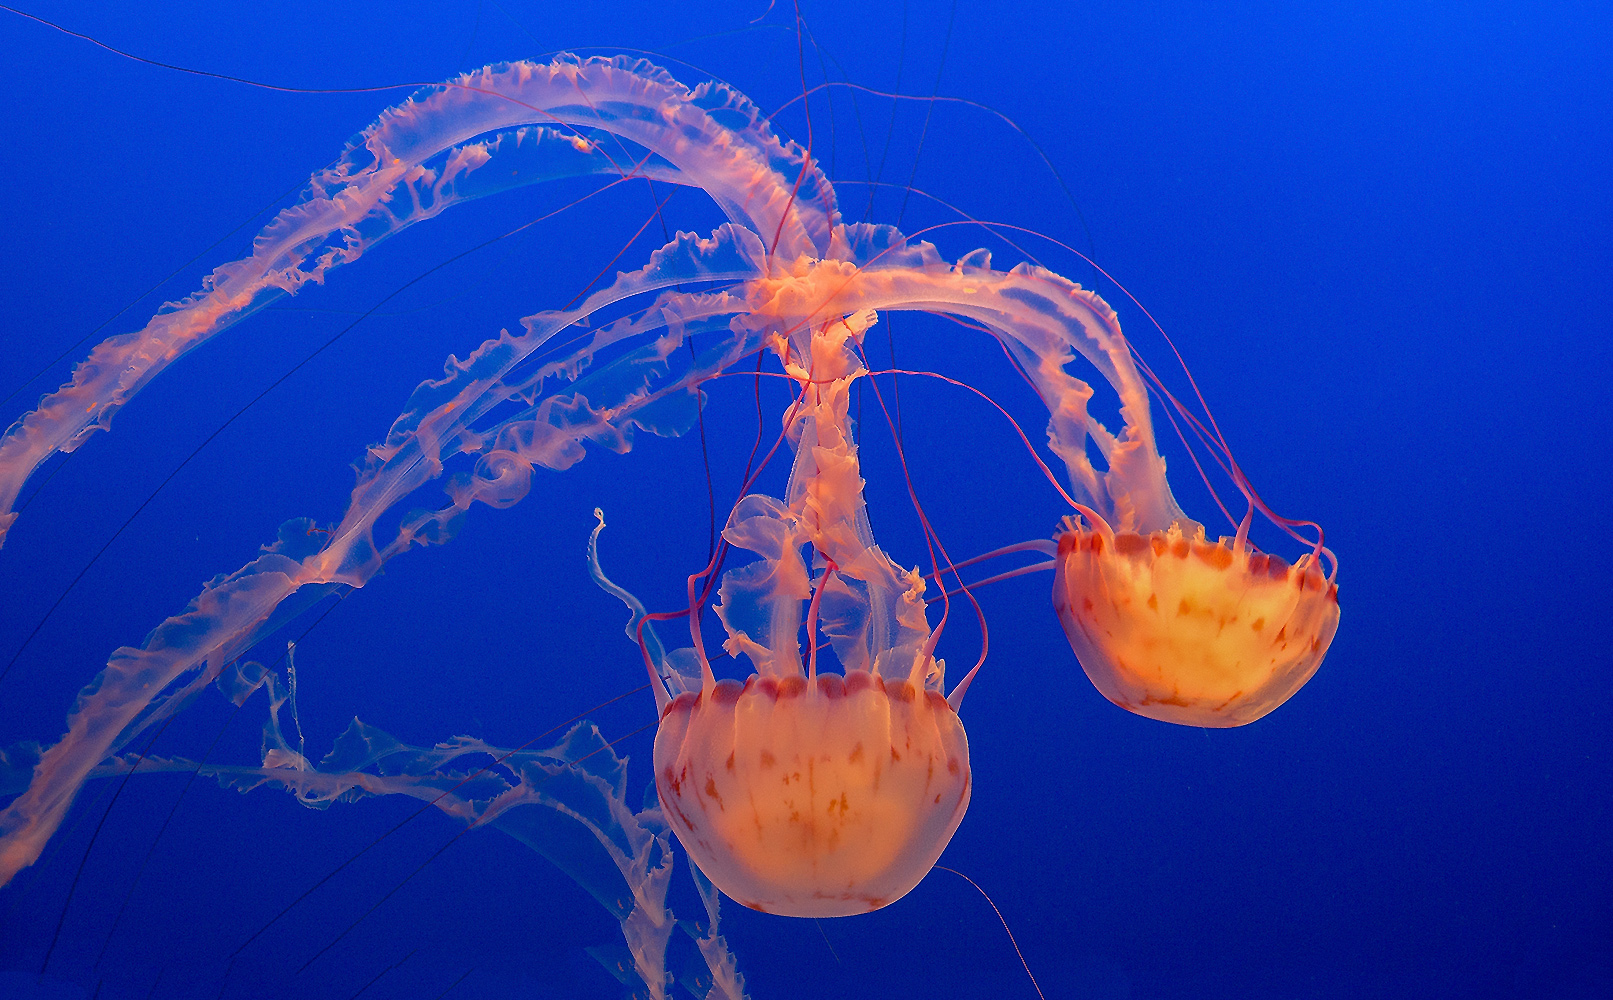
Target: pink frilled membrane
[[1184, 630], [813, 800]]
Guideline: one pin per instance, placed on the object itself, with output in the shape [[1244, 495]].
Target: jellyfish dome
[[813, 801], [1176, 628]]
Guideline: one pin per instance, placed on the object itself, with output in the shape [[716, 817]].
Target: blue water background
[[1380, 236]]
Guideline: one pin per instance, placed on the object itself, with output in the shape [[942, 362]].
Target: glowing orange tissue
[[815, 801], [1183, 630], [797, 792]]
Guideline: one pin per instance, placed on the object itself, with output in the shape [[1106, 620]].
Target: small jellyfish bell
[[1177, 628], [1166, 623]]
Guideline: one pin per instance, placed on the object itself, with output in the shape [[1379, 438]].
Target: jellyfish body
[[802, 793], [1183, 630], [818, 800]]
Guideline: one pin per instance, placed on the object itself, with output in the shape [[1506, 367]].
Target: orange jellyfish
[[1168, 624], [1177, 628], [801, 792]]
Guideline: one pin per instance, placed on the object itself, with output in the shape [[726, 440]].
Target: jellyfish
[[1176, 628], [1164, 622], [800, 792], [795, 790]]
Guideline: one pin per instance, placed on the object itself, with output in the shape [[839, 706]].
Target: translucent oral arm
[[237, 610], [816, 544], [419, 159], [1043, 318], [534, 796]]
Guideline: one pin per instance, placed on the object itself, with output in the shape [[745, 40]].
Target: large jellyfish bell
[[820, 798]]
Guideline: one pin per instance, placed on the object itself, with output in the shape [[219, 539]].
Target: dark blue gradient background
[[1380, 236]]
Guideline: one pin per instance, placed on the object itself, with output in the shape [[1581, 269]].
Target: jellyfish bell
[[1173, 627], [813, 800]]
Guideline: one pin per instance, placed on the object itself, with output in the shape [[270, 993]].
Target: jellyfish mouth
[[1173, 627], [819, 798]]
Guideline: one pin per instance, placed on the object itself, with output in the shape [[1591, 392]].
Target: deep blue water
[[1380, 235]]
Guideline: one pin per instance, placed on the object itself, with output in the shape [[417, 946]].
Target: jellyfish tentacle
[[300, 246], [417, 160], [580, 780], [871, 609], [1047, 566], [237, 610], [639, 628], [1045, 319]]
